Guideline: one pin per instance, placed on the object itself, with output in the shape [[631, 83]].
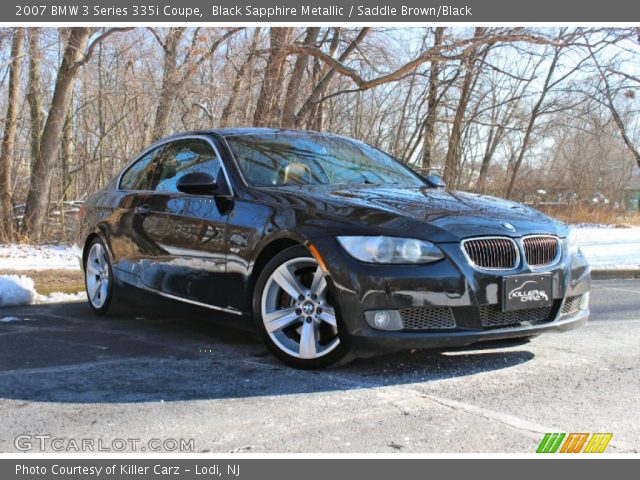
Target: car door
[[130, 245], [189, 229]]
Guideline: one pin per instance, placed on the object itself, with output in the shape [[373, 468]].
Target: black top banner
[[317, 11]]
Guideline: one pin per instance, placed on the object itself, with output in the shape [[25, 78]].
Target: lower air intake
[[573, 305], [427, 318], [493, 316]]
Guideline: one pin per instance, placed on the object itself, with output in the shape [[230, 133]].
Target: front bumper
[[372, 340], [451, 284]]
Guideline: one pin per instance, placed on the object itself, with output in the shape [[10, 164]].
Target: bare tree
[[9, 137], [535, 113], [175, 75], [170, 48], [74, 57], [609, 92], [451, 166], [502, 111], [238, 81], [321, 87], [432, 104], [266, 112], [34, 92], [295, 82]]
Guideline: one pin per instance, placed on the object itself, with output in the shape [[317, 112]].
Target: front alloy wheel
[[297, 318]]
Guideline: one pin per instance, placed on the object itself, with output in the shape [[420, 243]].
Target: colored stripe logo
[[574, 443]]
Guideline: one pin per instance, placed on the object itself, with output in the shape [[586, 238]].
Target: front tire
[[100, 283], [294, 312]]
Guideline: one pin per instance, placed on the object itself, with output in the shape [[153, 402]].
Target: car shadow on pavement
[[64, 353]]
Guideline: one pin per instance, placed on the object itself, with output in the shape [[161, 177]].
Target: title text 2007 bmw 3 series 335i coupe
[[328, 247]]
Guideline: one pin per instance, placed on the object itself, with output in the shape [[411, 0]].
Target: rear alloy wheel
[[296, 316], [102, 292]]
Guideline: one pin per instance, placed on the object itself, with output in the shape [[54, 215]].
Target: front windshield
[[277, 159]]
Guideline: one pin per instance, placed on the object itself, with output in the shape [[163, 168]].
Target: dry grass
[[50, 281], [591, 214]]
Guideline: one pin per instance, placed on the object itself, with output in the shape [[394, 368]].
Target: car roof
[[228, 132]]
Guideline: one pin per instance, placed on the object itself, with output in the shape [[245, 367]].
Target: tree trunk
[[8, 139], [451, 166], [432, 105], [36, 209], [101, 123], [266, 114], [322, 86], [230, 107], [492, 144], [66, 155], [295, 82], [532, 121], [317, 71], [34, 95], [169, 82]]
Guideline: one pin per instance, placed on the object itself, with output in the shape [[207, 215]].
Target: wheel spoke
[[283, 277], [280, 319], [308, 342], [328, 315], [95, 255], [319, 284], [103, 290], [93, 289], [103, 257], [92, 269]]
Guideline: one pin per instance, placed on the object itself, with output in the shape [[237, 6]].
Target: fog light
[[381, 319], [384, 319]]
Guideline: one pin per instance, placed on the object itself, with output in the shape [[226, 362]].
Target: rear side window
[[138, 175], [182, 157]]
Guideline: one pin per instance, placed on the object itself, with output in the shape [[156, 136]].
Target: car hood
[[450, 215]]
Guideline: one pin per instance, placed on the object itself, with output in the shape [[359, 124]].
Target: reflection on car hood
[[462, 214]]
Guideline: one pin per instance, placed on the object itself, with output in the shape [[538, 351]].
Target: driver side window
[[182, 157], [138, 175]]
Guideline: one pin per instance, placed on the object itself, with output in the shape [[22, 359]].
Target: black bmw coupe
[[328, 247]]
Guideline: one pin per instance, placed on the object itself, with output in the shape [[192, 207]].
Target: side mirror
[[197, 183], [435, 181]]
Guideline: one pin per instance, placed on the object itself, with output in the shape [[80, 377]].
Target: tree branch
[[157, 37], [87, 56], [437, 53]]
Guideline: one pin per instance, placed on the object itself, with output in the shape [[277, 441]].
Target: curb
[[615, 274]]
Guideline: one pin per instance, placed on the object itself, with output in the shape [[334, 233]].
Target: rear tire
[[294, 312], [103, 294]]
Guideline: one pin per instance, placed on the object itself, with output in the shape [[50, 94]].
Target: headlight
[[572, 242], [390, 250]]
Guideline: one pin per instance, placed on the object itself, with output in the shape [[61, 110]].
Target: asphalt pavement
[[70, 380]]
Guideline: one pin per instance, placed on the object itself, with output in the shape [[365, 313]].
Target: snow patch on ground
[[610, 248], [18, 290], [41, 257], [9, 319]]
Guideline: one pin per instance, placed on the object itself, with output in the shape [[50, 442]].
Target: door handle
[[143, 210]]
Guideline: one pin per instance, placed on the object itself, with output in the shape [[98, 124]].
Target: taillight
[[80, 214]]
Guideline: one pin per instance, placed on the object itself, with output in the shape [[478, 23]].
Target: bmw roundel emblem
[[509, 226]]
